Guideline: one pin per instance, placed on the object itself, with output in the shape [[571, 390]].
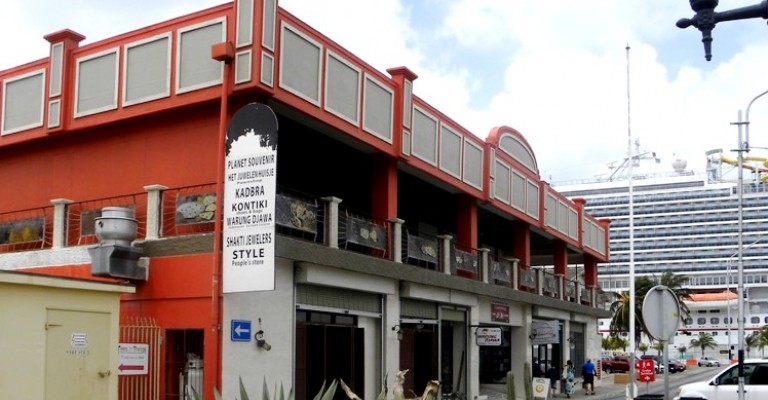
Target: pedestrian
[[554, 376], [536, 369], [568, 378], [588, 371]]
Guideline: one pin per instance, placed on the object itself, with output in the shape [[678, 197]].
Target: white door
[[77, 355]]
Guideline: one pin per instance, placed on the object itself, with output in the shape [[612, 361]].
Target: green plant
[[278, 394], [705, 341], [431, 392], [510, 386], [527, 382]]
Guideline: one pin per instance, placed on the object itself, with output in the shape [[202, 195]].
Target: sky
[[557, 71]]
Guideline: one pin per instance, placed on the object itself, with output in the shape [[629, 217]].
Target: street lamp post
[[706, 18], [743, 147], [728, 281]]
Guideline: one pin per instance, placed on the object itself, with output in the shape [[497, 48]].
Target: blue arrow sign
[[241, 330]]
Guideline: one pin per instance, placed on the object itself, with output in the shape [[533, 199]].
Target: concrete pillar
[[60, 222], [485, 264], [332, 221], [396, 226], [154, 211], [444, 258]]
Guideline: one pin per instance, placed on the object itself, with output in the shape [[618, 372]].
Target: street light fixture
[[743, 147], [706, 18]]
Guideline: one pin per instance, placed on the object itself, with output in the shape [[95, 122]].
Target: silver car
[[708, 362], [725, 385]]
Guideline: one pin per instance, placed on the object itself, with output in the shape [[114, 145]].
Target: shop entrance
[[418, 354], [495, 361], [453, 353], [328, 347], [183, 363]]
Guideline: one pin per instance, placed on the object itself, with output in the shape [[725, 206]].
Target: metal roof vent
[[116, 225], [114, 256]]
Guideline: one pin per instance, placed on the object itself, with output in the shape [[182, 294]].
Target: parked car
[[681, 365], [659, 367], [708, 362], [615, 364], [675, 366], [725, 385]]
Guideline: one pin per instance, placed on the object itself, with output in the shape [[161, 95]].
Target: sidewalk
[[604, 388]]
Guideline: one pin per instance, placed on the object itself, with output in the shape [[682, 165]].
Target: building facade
[[401, 240]]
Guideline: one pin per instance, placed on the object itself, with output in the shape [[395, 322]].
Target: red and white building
[[397, 232]]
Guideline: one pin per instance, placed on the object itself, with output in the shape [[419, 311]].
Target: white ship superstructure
[[687, 223]]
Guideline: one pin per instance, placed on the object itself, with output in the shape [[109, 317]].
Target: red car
[[676, 365]]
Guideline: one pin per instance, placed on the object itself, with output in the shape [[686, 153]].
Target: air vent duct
[[114, 256]]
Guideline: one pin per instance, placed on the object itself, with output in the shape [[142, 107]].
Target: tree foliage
[[620, 308], [760, 339], [705, 341]]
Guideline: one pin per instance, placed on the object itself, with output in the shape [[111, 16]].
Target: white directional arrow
[[239, 330]]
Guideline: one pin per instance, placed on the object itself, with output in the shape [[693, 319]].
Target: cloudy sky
[[554, 70]]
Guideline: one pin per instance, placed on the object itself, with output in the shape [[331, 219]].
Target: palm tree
[[643, 347], [750, 342], [659, 347], [675, 283], [682, 350], [761, 339], [620, 307], [621, 343], [606, 343], [705, 341]]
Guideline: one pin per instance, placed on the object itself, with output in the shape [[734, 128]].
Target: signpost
[[249, 200], [661, 313], [488, 336], [540, 388], [545, 332], [133, 358], [240, 330], [646, 370]]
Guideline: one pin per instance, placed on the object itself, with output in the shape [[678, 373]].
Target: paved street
[[606, 389]]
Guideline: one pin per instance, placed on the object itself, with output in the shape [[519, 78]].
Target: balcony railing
[[26, 230], [167, 212], [82, 215], [502, 272], [551, 284], [465, 262], [420, 249], [363, 234]]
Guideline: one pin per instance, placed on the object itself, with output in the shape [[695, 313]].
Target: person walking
[[568, 377], [588, 370], [553, 376], [536, 368]]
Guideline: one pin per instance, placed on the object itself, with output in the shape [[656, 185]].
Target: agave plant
[[431, 392], [279, 394]]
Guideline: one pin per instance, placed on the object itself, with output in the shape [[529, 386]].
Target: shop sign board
[[248, 242]]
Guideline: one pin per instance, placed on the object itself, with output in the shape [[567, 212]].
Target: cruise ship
[[687, 222]]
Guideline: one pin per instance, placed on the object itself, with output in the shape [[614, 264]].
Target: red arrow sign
[[124, 367]]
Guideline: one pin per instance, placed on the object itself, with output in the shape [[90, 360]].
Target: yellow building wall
[[24, 303]]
